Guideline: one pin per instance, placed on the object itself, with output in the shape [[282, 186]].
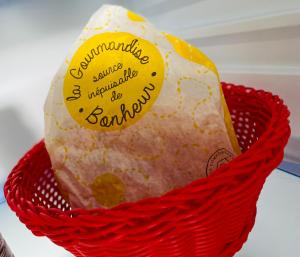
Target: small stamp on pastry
[[218, 158]]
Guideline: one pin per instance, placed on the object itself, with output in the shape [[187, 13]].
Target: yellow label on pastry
[[193, 54], [229, 126], [134, 17], [190, 52], [108, 190], [113, 79]]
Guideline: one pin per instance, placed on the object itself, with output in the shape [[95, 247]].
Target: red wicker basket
[[210, 217]]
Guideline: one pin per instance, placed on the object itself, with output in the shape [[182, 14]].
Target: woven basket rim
[[279, 120]]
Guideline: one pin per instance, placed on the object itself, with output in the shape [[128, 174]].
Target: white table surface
[[275, 234]]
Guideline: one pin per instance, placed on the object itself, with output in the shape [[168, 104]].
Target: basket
[[210, 217]]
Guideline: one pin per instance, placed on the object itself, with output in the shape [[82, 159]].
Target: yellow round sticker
[[113, 79]]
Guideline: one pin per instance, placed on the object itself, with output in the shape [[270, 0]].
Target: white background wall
[[253, 42], [256, 43]]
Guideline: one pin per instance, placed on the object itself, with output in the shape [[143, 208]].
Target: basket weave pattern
[[210, 217]]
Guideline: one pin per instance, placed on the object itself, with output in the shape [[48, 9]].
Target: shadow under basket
[[210, 217]]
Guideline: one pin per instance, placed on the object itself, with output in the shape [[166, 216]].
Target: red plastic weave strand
[[211, 217]]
